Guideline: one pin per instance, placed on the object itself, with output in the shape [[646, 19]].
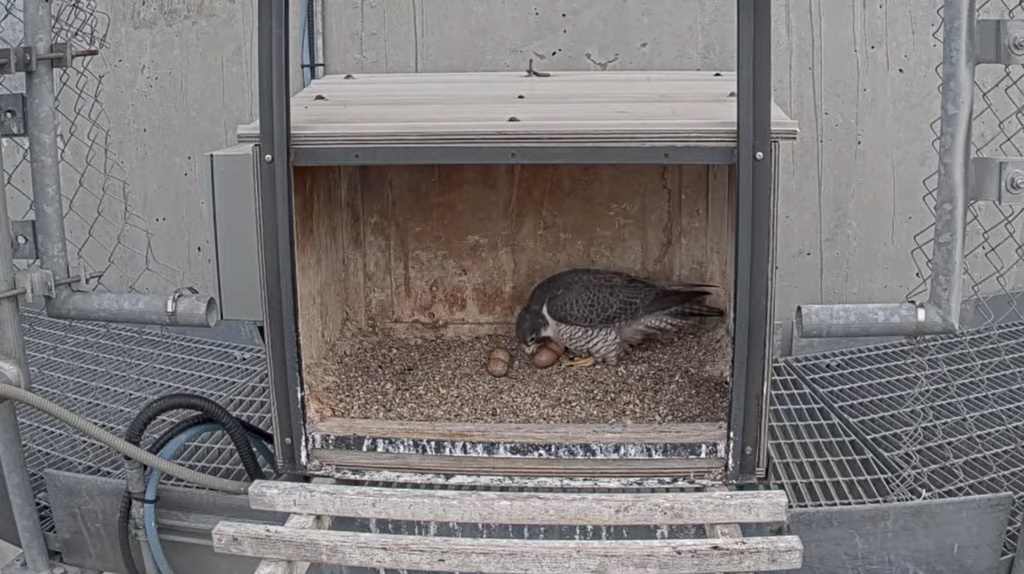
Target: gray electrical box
[[233, 182]]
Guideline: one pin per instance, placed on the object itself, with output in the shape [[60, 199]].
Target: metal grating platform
[[935, 417], [107, 373], [932, 418], [816, 457]]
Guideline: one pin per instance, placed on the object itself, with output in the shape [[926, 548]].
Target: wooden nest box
[[426, 207]]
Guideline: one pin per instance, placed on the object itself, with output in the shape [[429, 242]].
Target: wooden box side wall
[[457, 249]]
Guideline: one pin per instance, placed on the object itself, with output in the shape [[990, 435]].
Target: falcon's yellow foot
[[581, 362]]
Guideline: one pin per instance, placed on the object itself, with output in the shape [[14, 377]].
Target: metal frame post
[[14, 371], [753, 248], [274, 209], [941, 313], [41, 116]]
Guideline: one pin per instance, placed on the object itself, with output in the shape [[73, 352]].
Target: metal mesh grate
[[816, 458], [107, 373], [936, 417]]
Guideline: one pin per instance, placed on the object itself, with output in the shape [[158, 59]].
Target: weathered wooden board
[[521, 507], [323, 461], [522, 433], [633, 108], [724, 530], [323, 256], [456, 249], [296, 522], [509, 556]]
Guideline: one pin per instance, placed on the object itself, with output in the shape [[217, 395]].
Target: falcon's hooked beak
[[530, 348]]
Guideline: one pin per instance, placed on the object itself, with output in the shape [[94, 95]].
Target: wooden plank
[[720, 129], [327, 117], [721, 231], [504, 466], [731, 531], [507, 137], [614, 107], [508, 556], [320, 260], [723, 530], [317, 521], [611, 216], [296, 522], [521, 507], [524, 433], [377, 264], [449, 243]]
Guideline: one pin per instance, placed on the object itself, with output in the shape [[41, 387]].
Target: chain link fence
[[994, 249], [105, 232]]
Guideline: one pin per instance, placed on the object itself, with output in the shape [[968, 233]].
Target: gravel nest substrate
[[681, 379]]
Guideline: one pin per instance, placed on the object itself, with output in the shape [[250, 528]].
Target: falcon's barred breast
[[598, 313]]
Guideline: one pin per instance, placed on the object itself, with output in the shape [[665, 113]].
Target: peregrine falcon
[[596, 314]]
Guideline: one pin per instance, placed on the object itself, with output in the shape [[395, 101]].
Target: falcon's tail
[[684, 303], [671, 310]]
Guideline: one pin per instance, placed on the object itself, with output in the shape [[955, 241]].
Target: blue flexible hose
[[153, 481]]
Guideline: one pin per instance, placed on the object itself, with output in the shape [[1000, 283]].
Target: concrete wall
[[174, 79], [179, 75]]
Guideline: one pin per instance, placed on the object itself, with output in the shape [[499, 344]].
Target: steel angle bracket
[[997, 179], [37, 283], [1000, 42]]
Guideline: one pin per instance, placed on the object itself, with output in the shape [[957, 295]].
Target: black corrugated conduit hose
[[211, 412]]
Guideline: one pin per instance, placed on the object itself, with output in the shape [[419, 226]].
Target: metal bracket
[[1000, 42], [12, 115], [23, 234], [25, 58], [7, 60], [81, 278], [12, 374], [997, 179], [172, 299], [36, 283], [59, 55]]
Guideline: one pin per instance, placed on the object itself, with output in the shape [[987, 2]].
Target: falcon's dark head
[[530, 326]]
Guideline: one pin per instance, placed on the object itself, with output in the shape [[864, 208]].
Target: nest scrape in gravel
[[680, 379]]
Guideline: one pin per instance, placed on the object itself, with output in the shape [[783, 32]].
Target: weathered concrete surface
[[179, 76], [174, 79]]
